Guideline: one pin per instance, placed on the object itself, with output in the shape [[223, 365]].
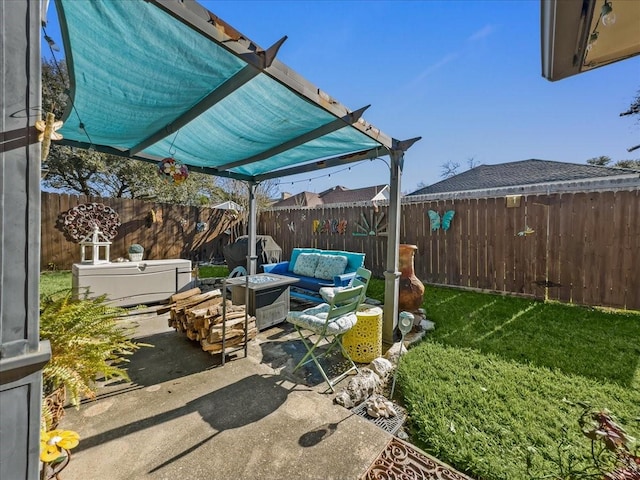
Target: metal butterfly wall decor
[[443, 222]]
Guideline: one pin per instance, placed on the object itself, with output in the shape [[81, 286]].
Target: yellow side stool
[[364, 341]]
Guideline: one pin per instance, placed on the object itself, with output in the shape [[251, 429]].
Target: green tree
[[601, 161], [604, 161], [630, 164]]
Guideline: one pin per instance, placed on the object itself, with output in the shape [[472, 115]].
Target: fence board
[[500, 240], [632, 293], [161, 239]]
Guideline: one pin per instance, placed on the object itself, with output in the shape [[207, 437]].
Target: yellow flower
[[51, 442]]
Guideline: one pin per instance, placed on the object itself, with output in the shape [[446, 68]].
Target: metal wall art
[[371, 227], [80, 221], [443, 222], [332, 226]]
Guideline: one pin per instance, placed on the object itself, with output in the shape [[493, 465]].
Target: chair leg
[[310, 348], [310, 356]]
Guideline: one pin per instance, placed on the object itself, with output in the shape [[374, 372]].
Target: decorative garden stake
[[54, 451], [411, 290], [405, 323]]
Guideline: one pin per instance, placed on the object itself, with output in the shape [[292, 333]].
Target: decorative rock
[[382, 367], [394, 352], [378, 406], [427, 325], [359, 388]]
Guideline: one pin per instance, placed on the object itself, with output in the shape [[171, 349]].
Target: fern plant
[[86, 342]]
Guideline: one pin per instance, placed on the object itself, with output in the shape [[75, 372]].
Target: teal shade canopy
[[156, 79]]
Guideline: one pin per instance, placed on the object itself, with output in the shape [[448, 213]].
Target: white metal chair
[[329, 322]]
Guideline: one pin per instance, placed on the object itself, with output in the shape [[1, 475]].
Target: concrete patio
[[185, 416]]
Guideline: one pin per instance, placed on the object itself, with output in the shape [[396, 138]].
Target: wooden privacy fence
[[164, 230], [581, 248]]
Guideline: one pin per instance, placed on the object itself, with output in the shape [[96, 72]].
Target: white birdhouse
[[98, 246]]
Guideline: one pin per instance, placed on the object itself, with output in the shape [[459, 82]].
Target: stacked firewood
[[204, 318]]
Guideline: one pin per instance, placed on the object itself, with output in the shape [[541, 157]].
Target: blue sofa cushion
[[329, 266], [355, 260], [306, 264]]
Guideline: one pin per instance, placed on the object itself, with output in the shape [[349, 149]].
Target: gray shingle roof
[[524, 172], [337, 194], [344, 195], [302, 199]]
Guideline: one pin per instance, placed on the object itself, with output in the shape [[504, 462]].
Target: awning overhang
[[184, 84], [574, 38]]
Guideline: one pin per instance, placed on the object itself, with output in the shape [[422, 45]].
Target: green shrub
[[86, 342]]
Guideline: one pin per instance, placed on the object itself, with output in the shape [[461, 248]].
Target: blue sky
[[464, 75]]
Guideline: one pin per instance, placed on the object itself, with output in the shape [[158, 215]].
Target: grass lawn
[[490, 388], [213, 271], [53, 282]]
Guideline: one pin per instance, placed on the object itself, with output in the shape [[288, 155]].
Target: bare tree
[[449, 169], [472, 163], [238, 191], [634, 110]]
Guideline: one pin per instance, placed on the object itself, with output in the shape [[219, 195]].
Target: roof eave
[[564, 32]]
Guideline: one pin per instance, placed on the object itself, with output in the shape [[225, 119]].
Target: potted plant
[[86, 343], [136, 252]]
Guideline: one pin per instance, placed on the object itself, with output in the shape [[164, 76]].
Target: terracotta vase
[[411, 292]]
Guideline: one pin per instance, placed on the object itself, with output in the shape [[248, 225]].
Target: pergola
[[167, 78]]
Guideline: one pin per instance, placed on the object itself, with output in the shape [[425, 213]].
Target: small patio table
[[266, 296]]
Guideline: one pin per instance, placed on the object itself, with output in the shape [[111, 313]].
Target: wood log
[[194, 300], [236, 331], [202, 309], [182, 295], [217, 310], [234, 342]]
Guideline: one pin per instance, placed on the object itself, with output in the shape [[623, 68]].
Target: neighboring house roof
[[302, 199], [229, 205], [522, 173], [344, 195], [337, 194]]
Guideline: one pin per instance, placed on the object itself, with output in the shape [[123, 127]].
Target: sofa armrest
[[343, 280], [280, 267]]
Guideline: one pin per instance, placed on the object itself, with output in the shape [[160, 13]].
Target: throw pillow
[[330, 265], [306, 264]]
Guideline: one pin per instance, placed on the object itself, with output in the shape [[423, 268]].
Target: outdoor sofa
[[315, 268]]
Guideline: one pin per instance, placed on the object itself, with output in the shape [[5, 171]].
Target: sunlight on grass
[[486, 389], [500, 327], [482, 413]]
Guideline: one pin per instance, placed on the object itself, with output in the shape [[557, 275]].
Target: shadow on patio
[[184, 416]]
